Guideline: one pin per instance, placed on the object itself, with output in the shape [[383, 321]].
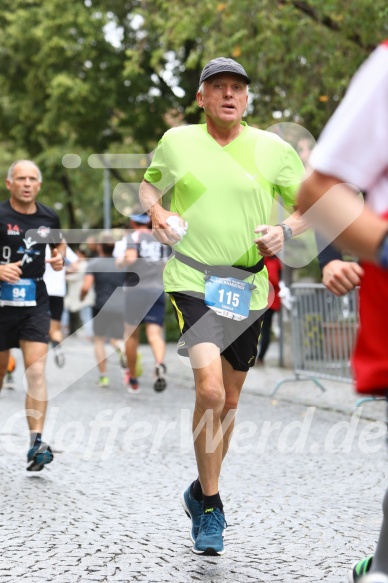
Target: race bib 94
[[20, 294]]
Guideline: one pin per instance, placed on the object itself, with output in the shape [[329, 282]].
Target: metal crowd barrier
[[323, 330]]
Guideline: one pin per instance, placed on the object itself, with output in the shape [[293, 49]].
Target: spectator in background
[[121, 244], [274, 268], [144, 304], [304, 147], [90, 247], [78, 313], [56, 289], [107, 280]]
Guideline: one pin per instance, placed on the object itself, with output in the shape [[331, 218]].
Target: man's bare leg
[[155, 339], [233, 383], [34, 356], [55, 333], [208, 521], [209, 404], [100, 354], [4, 357], [131, 338]]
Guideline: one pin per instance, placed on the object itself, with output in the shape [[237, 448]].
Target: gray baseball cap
[[223, 65]]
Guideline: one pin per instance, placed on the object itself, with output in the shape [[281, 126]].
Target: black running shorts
[[56, 307], [31, 323], [26, 323], [237, 340]]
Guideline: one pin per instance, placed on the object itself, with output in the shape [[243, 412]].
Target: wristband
[[287, 231], [382, 253]]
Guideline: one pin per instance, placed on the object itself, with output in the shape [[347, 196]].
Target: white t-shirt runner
[[354, 144], [56, 280], [354, 148]]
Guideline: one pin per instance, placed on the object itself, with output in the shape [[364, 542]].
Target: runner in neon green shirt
[[223, 193], [224, 176]]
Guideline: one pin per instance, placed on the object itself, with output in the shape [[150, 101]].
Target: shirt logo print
[[13, 229], [28, 253]]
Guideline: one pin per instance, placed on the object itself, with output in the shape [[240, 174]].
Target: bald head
[[25, 163]]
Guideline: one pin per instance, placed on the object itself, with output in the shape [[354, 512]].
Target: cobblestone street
[[302, 484]]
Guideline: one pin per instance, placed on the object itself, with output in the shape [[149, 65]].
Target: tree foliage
[[94, 76]]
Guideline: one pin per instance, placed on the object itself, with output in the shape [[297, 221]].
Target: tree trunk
[[64, 180]]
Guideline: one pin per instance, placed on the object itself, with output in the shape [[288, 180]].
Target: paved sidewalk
[[338, 396], [302, 484]]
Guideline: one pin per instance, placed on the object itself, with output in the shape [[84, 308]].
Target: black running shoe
[[160, 382], [9, 381], [59, 357]]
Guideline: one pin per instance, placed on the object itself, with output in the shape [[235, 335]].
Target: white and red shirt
[[354, 148], [354, 144]]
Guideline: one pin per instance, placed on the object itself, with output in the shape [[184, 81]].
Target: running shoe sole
[[210, 540], [210, 552], [59, 359], [9, 382], [160, 384], [133, 389], [350, 573]]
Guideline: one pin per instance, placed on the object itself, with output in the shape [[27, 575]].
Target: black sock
[[54, 343], [211, 502], [196, 490], [35, 438]]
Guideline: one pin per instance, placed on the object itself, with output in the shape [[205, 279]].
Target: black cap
[[223, 65]]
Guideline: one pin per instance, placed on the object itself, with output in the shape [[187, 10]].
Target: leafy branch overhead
[[97, 76]]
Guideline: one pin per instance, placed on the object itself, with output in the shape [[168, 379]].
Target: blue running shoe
[[194, 511], [38, 456], [210, 540]]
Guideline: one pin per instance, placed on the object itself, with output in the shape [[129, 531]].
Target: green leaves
[[97, 76]]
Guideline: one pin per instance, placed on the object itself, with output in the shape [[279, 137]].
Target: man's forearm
[[342, 217], [150, 198], [297, 223], [61, 248]]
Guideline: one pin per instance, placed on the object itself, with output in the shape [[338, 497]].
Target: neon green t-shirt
[[223, 193]]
